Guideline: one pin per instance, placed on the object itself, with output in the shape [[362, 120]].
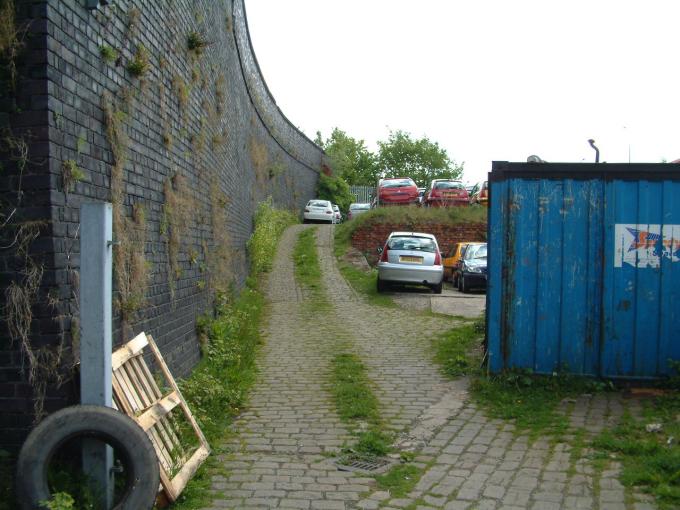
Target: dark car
[[397, 191], [472, 273]]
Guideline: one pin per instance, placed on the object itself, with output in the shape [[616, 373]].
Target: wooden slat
[[130, 349], [173, 385], [145, 380], [152, 416], [138, 395], [182, 478]]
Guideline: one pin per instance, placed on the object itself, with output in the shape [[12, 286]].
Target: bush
[[269, 226], [336, 190]]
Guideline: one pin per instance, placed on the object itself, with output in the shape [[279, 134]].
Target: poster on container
[[645, 246]]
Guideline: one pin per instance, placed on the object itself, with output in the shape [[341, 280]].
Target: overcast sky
[[486, 79]]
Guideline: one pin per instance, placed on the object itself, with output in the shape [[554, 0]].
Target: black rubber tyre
[[463, 285], [381, 285], [437, 289], [133, 448]]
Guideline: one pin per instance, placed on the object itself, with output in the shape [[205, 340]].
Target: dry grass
[[11, 38], [177, 210], [259, 155], [218, 257]]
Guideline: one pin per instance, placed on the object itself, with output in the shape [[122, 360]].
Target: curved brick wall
[[206, 117]]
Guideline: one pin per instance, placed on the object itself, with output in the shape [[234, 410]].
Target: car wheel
[[381, 285], [437, 289], [463, 285]]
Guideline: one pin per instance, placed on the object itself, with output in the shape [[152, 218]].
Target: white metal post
[[96, 238]]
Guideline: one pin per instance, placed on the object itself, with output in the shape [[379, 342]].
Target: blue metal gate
[[584, 268]]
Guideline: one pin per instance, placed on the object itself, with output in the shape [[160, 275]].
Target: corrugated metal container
[[584, 268]]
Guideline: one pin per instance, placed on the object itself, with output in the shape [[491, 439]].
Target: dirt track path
[[281, 457]]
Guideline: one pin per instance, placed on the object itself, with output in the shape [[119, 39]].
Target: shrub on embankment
[[449, 225]]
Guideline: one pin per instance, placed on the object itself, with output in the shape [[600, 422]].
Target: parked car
[[480, 195], [473, 267], [451, 261], [456, 270], [318, 210], [412, 258], [356, 209], [337, 214], [421, 194], [397, 191], [446, 192]]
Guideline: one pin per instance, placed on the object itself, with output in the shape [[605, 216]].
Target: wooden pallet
[[137, 394]]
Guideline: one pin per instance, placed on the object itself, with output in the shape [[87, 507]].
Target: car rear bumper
[[475, 279], [397, 201], [447, 202], [319, 217], [430, 275]]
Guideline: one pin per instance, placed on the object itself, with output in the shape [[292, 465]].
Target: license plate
[[407, 258], [451, 194]]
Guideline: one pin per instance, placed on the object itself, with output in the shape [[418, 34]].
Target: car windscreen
[[318, 203], [397, 183], [355, 207], [448, 185], [412, 243], [476, 251]]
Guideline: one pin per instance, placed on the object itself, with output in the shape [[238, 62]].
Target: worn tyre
[[381, 286], [437, 289], [132, 446], [464, 286]]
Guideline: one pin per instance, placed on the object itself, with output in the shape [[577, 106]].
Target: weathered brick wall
[[185, 151], [368, 238]]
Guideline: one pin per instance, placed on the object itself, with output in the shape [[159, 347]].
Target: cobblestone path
[[285, 438]]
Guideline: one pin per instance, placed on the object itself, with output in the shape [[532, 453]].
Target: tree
[[350, 159], [422, 160], [336, 190]]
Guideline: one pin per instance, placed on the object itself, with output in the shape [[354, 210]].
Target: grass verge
[[400, 480], [307, 268], [650, 460]]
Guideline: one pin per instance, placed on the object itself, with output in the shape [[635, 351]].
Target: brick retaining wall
[[368, 238]]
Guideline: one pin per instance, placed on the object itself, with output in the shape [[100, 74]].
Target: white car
[[411, 258], [319, 210], [356, 209], [338, 214]]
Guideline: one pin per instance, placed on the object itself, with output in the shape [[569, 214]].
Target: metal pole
[[96, 235]]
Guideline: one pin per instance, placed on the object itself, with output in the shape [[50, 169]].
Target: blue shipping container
[[584, 268]]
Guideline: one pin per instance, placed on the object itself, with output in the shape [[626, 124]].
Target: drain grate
[[363, 463]]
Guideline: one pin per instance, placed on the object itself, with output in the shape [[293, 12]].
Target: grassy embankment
[[409, 218]]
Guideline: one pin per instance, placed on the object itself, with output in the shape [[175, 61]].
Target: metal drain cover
[[363, 463]]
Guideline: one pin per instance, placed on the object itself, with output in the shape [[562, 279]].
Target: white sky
[[486, 79]]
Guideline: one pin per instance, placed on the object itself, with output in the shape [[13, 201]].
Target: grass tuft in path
[[651, 460]]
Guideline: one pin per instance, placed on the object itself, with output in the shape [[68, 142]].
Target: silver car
[[411, 257]]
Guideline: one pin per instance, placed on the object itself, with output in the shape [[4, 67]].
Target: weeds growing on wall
[[177, 210], [11, 39], [130, 266], [218, 256], [259, 155]]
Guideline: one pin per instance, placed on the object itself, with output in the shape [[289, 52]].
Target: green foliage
[[269, 226], [651, 460], [400, 480], [217, 387], [351, 390], [454, 350], [196, 42], [421, 159], [59, 501], [139, 65], [107, 53], [307, 268], [336, 190], [413, 216], [350, 159]]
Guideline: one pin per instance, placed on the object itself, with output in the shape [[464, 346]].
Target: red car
[[397, 191], [446, 192]]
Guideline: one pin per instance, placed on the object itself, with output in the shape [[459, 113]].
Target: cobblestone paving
[[280, 458]]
